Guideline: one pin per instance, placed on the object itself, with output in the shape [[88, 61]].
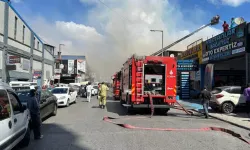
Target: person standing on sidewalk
[[205, 96], [247, 96], [89, 91]]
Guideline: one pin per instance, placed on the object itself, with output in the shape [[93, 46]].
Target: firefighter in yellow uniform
[[103, 95]]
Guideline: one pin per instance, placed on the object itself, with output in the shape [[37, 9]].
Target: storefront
[[194, 52], [224, 59]]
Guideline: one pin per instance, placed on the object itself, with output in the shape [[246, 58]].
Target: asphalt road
[[80, 127]]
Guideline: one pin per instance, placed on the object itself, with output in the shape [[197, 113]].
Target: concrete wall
[[47, 55], [47, 68], [37, 65], [38, 53], [1, 16], [1, 59]]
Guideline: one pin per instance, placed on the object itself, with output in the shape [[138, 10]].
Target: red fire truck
[[149, 76], [116, 85]]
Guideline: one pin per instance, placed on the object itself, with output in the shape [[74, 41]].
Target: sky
[[107, 32]]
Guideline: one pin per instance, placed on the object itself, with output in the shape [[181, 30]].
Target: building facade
[[70, 69], [23, 54]]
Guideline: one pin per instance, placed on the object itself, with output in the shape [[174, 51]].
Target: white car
[[94, 90], [226, 98], [65, 95], [14, 120]]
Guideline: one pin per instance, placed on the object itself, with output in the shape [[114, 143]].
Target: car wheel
[[55, 110], [227, 107], [67, 105], [26, 140]]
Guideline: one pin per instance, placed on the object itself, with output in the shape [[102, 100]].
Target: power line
[[123, 17]]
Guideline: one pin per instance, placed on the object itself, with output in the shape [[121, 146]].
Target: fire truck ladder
[[139, 80]]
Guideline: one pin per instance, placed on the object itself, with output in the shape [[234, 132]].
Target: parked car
[[48, 102], [14, 120], [65, 95], [94, 90], [226, 98]]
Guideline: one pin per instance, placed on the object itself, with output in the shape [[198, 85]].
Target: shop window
[[4, 105], [236, 90]]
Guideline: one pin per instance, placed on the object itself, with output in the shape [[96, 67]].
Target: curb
[[218, 118], [230, 122]]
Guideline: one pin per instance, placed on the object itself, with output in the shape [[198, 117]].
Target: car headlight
[[63, 97]]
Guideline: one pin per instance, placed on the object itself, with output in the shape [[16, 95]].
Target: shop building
[[224, 58], [194, 52], [22, 52], [70, 69]]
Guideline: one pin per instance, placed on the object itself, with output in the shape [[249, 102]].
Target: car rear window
[[216, 91]]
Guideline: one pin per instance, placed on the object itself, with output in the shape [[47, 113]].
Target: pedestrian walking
[[247, 97], [89, 91], [34, 109], [205, 96], [103, 95]]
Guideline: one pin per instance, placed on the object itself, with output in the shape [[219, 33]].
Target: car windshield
[[23, 96], [95, 87], [60, 91]]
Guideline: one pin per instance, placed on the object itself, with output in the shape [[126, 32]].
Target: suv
[[14, 120], [226, 98]]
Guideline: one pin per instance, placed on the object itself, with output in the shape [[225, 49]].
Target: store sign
[[225, 45], [58, 70], [187, 65], [36, 74], [81, 66], [185, 85], [14, 59], [57, 76], [71, 66], [192, 49], [64, 66]]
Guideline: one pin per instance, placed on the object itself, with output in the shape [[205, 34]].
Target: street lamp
[[60, 59], [161, 39]]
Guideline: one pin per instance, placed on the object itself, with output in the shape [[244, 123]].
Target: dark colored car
[[48, 102]]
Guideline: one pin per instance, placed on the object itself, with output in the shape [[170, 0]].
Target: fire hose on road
[[206, 129]]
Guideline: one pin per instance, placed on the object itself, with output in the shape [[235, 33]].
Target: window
[[16, 106], [23, 33], [15, 28], [37, 45], [34, 42], [4, 105], [235, 90]]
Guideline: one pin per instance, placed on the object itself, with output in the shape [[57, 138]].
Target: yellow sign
[[193, 51]]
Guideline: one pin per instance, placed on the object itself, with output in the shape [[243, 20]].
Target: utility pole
[[60, 59]]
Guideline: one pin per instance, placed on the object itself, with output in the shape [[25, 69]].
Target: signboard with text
[[187, 65], [185, 85], [225, 45]]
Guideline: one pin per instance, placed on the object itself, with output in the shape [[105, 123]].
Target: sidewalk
[[239, 119]]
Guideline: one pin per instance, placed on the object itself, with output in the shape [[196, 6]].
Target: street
[[80, 127]]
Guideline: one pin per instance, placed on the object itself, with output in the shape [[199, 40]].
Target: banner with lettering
[[225, 45]]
